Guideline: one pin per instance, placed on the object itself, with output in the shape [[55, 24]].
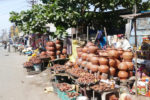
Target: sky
[[7, 6]]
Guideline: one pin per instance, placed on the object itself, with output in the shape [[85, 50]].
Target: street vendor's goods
[[58, 52], [77, 72], [112, 71], [92, 49], [50, 43], [113, 53], [63, 56], [103, 69], [103, 61], [89, 44], [69, 63], [89, 56], [27, 64], [123, 66], [130, 65], [64, 87], [58, 41], [123, 75], [72, 94], [127, 55], [84, 56], [88, 65], [120, 51], [64, 51], [94, 68], [83, 64], [85, 49], [58, 46], [112, 62], [79, 54], [95, 60]]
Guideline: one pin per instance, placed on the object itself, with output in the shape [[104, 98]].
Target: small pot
[[50, 48], [95, 60], [79, 54], [94, 68], [51, 53], [113, 53], [123, 66], [88, 65], [130, 65], [58, 46], [120, 51], [85, 49], [63, 56], [112, 71], [127, 56], [64, 51], [117, 63], [112, 62], [93, 49], [103, 61], [84, 56], [103, 69], [123, 75], [43, 53], [58, 52], [50, 43], [83, 64], [58, 41], [89, 56]]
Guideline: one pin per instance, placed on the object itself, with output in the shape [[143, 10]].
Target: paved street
[[15, 84]]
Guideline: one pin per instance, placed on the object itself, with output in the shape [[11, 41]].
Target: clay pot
[[63, 56], [79, 49], [50, 43], [127, 56], [85, 49], [94, 68], [43, 53], [103, 54], [53, 57], [112, 62], [130, 65], [103, 61], [112, 71], [123, 66], [88, 65], [120, 51], [89, 56], [83, 64], [92, 49], [103, 68], [58, 52], [95, 60], [79, 61], [58, 46], [51, 53], [123, 75], [89, 44], [84, 56], [130, 73], [50, 48], [58, 41], [113, 53], [79, 54], [117, 62], [64, 51]]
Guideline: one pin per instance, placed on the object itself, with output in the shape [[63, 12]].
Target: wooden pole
[[106, 35]]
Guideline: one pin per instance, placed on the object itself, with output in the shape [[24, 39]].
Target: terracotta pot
[[58, 52], [113, 53], [112, 71], [92, 49], [79, 54], [130, 73], [63, 56], [85, 49], [120, 51], [79, 61], [58, 46], [123, 66], [103, 68], [84, 56], [64, 51], [117, 62], [127, 56], [103, 54], [51, 53], [112, 62], [58, 41], [88, 65], [53, 57], [89, 44], [50, 48], [83, 64], [130, 65], [79, 49], [89, 56], [43, 53], [94, 68], [103, 61], [123, 75], [94, 60], [50, 43]]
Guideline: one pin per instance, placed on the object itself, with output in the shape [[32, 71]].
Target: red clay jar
[[112, 71], [112, 62], [113, 53], [64, 51], [50, 43], [88, 65], [93, 49], [117, 62], [127, 56], [123, 75], [89, 56], [103, 61], [130, 65], [123, 66], [50, 48], [58, 46], [103, 68], [94, 68], [79, 54], [94, 60], [58, 52], [85, 49], [84, 56]]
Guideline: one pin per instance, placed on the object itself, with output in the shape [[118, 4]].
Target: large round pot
[[51, 53], [103, 61], [84, 56], [58, 52], [103, 68], [85, 49], [53, 57], [112, 62], [83, 64], [94, 68], [130, 65], [123, 66], [112, 71], [88, 65], [113, 53], [89, 44], [79, 54], [89, 56], [79, 49], [64, 51], [92, 49], [50, 48], [127, 55], [58, 41], [95, 60], [123, 75], [50, 43]]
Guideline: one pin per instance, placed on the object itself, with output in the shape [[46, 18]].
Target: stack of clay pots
[[50, 49], [126, 66]]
